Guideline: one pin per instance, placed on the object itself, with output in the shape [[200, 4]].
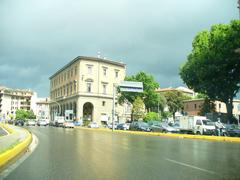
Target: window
[[71, 72], [219, 105], [89, 87], [116, 73], [103, 103], [198, 122], [195, 106], [104, 71], [75, 86], [89, 69], [104, 89], [75, 70]]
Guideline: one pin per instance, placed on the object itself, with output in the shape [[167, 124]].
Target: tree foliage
[[138, 110], [212, 68], [151, 116], [24, 114], [175, 101], [207, 107], [150, 97]]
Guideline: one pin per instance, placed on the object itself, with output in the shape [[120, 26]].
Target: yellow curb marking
[[189, 136]]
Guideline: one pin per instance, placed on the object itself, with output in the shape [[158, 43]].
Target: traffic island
[[187, 136], [13, 144]]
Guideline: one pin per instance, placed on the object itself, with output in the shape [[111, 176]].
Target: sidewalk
[[14, 143], [12, 139]]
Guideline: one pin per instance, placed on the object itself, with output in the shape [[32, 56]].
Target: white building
[[13, 99]]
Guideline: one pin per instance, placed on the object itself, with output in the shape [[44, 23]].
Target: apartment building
[[84, 88], [13, 99]]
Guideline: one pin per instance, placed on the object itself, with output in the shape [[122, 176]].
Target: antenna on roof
[[98, 54]]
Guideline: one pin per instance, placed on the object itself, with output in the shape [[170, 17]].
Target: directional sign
[[131, 86]]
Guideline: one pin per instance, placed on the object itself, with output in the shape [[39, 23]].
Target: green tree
[[138, 110], [175, 101], [151, 116], [150, 97], [212, 68], [24, 114], [207, 107], [31, 115], [21, 114]]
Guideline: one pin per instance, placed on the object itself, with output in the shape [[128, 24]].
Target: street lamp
[[59, 106]]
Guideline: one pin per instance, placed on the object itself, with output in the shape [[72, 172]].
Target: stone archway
[[88, 111]]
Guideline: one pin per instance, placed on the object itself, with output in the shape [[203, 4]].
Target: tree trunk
[[174, 116], [229, 105]]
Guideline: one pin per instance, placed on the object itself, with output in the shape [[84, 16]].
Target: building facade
[[13, 99], [193, 107], [42, 109], [184, 90], [84, 88]]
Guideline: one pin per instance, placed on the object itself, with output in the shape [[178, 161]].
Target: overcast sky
[[37, 37]]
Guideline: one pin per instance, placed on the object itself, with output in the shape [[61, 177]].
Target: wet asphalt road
[[64, 154]]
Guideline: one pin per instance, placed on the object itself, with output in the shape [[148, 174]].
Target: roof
[[89, 59]]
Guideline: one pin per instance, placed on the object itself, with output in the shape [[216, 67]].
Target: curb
[[8, 155], [187, 136], [9, 130]]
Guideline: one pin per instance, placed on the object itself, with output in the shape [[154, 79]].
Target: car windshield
[[143, 124], [208, 122], [154, 123]]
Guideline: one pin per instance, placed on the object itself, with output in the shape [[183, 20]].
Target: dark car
[[123, 126], [140, 126], [19, 122], [164, 127], [233, 130]]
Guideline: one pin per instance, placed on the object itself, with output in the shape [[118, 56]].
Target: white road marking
[[190, 166]]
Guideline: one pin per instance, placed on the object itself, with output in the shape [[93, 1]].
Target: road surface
[[65, 154]]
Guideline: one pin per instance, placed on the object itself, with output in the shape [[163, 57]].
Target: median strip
[[188, 136], [15, 149]]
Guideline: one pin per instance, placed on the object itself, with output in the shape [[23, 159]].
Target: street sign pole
[[125, 86], [113, 113]]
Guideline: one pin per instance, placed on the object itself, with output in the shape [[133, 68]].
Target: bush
[[151, 116]]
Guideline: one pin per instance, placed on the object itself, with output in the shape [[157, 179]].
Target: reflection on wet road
[[83, 154]]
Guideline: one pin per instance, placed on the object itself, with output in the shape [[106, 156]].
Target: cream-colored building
[[42, 108], [184, 90], [85, 87], [193, 107], [13, 99]]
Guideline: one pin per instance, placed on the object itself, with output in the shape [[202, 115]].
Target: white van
[[196, 125]]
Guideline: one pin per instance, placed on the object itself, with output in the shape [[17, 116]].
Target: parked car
[[140, 126], [123, 126], [78, 123], [93, 125], [19, 122], [164, 127], [233, 130], [42, 122], [31, 123], [68, 124], [109, 125]]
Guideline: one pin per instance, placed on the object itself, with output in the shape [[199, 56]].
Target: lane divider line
[[190, 166]]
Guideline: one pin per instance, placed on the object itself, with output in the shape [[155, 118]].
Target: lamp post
[[59, 106]]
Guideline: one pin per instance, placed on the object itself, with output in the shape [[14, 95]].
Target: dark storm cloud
[[38, 37]]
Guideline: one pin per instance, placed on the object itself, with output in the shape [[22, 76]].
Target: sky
[[38, 37]]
